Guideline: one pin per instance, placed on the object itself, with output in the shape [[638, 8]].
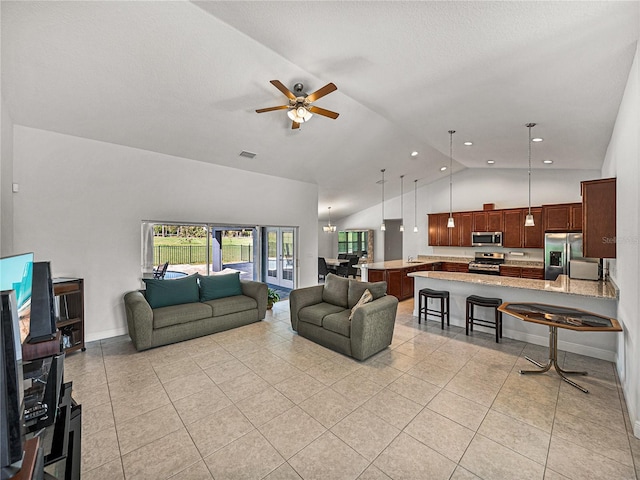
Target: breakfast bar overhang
[[598, 297]]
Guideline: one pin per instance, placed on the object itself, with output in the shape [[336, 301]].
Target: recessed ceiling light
[[491, 162], [537, 139], [548, 162], [442, 169], [468, 144], [414, 154]]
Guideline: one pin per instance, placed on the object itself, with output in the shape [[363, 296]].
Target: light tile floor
[[261, 402]]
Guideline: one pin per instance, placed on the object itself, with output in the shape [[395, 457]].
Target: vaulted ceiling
[[184, 78]]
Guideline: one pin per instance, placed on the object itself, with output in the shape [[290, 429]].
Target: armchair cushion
[[336, 291], [356, 290], [338, 323], [316, 313], [163, 293]]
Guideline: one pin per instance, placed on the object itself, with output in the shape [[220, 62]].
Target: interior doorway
[[392, 240], [280, 258]]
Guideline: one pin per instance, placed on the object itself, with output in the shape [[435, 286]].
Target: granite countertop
[[563, 284], [428, 259]]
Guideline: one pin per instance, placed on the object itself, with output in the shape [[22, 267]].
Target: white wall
[[6, 176], [81, 204], [472, 188], [622, 161]]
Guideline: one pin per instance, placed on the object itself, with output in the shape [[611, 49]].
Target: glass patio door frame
[[284, 273]]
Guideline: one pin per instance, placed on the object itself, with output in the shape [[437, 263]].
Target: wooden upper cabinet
[[533, 236], [599, 218], [576, 216], [513, 228], [495, 222], [488, 221], [439, 234], [461, 234], [480, 221], [562, 217]]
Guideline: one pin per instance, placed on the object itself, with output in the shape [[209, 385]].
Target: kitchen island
[[599, 297]]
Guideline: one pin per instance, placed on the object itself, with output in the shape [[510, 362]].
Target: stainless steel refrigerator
[[563, 256]]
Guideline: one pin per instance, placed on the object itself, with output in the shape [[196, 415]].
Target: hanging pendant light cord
[[529, 126], [415, 205], [451, 132], [382, 196], [402, 201]]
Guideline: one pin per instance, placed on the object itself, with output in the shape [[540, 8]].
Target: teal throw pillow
[[163, 293], [219, 286]]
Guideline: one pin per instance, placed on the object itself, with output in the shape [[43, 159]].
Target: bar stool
[[476, 300], [426, 294]]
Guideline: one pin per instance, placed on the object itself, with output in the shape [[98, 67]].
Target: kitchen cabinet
[[455, 267], [460, 235], [510, 271], [562, 217], [376, 275], [534, 273], [488, 221], [439, 234], [399, 283], [533, 236], [513, 225], [599, 218]]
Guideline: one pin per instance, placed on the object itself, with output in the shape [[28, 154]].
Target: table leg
[[553, 360]]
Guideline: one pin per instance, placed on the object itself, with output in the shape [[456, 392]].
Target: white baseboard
[[106, 334]]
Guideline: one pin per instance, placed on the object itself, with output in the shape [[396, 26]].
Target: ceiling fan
[[300, 108]]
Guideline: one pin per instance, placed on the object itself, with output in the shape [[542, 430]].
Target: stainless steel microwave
[[484, 239]]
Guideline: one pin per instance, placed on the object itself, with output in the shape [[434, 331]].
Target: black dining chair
[[342, 256], [348, 269], [323, 271]]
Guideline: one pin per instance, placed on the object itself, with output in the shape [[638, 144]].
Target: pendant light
[[383, 227], [415, 206], [450, 222], [329, 228], [529, 219], [402, 203]]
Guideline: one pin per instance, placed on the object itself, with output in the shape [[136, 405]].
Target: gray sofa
[[152, 327], [321, 313]]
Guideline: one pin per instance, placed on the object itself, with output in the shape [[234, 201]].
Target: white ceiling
[[184, 78]]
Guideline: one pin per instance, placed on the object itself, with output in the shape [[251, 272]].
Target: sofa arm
[[372, 326], [303, 297], [257, 291], [139, 319]]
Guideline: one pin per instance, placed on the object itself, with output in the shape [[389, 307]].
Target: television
[[16, 273], [43, 318], [11, 386]]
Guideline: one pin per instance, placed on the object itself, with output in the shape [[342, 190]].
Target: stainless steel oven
[[486, 263], [486, 239]]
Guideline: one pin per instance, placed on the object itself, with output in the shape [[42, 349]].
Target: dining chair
[[323, 271]]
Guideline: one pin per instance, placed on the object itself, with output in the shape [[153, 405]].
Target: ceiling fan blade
[[278, 84], [328, 88], [295, 125], [322, 111], [271, 109]]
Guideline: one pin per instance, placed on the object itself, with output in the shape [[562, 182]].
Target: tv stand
[[69, 300], [36, 350]]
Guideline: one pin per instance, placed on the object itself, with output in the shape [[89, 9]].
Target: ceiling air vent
[[246, 154]]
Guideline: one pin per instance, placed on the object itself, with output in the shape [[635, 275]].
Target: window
[[352, 242]]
